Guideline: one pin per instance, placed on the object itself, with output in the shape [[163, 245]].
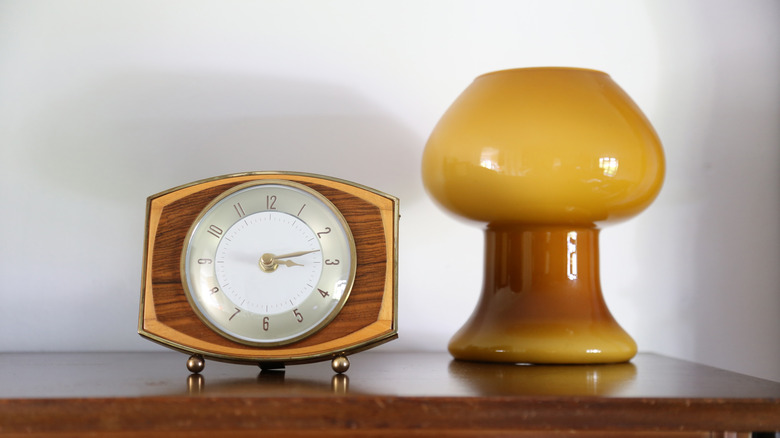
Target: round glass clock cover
[[268, 263]]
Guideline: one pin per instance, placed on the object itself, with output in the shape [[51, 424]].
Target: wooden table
[[383, 394]]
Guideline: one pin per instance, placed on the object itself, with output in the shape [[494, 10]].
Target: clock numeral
[[298, 315], [266, 324], [327, 231], [233, 315], [301, 210], [270, 200], [324, 294], [239, 209], [204, 261], [214, 290], [215, 231], [332, 262]]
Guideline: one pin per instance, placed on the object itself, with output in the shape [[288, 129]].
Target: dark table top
[[382, 390]]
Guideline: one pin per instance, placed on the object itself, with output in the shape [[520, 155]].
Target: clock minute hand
[[294, 254]]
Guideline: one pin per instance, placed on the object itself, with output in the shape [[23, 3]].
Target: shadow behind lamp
[[544, 157]]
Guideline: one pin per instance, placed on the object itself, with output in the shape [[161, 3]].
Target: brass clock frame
[[294, 185], [368, 318]]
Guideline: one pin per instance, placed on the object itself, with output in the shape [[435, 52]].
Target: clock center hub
[[268, 263]]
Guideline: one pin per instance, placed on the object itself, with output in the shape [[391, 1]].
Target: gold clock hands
[[269, 262]]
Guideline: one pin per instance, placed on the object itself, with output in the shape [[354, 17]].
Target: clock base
[[340, 364], [196, 363], [271, 366]]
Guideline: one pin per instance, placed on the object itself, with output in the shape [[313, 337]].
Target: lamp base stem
[[542, 301]]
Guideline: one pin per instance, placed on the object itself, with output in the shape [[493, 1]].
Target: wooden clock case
[[368, 318]]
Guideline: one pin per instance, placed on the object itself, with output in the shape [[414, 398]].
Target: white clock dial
[[285, 279], [269, 263]]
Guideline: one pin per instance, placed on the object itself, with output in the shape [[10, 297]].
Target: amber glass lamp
[[544, 157]]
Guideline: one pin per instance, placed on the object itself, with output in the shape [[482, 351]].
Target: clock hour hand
[[288, 263]]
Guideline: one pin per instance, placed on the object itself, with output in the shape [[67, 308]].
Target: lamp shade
[[544, 145]]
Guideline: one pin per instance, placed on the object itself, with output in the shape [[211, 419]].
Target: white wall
[[103, 103]]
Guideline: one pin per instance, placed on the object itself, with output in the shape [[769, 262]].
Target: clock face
[[268, 263]]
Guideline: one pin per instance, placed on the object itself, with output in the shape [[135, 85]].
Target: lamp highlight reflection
[[609, 165], [489, 159], [546, 380], [571, 255]]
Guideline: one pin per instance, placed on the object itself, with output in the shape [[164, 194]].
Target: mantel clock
[[271, 269]]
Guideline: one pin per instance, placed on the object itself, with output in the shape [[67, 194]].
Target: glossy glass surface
[[544, 156], [542, 302], [543, 145]]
